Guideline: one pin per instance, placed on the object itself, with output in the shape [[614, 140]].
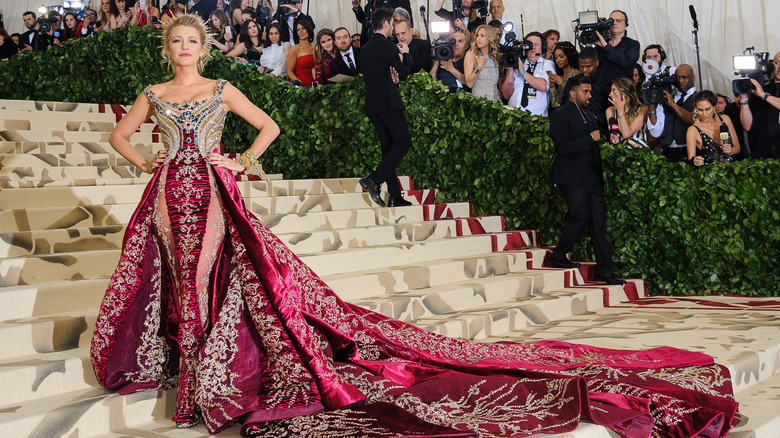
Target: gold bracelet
[[248, 159]]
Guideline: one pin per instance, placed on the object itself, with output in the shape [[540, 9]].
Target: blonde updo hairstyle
[[194, 22]]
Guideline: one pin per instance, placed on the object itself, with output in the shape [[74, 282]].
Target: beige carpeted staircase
[[65, 197]]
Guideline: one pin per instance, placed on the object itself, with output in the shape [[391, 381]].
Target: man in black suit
[[577, 172], [347, 60], [26, 40], [383, 68], [364, 16], [419, 50], [288, 16]]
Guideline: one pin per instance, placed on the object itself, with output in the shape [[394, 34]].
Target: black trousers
[[393, 131], [587, 208]]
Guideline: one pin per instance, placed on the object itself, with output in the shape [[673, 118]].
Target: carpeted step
[[83, 413], [42, 106], [38, 269], [20, 135], [27, 301], [482, 321], [56, 146], [51, 333], [356, 286], [317, 198], [46, 218], [40, 242], [38, 160]]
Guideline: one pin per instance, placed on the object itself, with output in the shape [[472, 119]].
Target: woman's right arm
[[238, 50], [120, 136], [292, 58], [692, 138]]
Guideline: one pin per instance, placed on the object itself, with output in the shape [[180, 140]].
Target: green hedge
[[714, 229]]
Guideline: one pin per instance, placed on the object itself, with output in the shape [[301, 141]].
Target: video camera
[[589, 25], [653, 91], [756, 66], [45, 24], [263, 13], [444, 48], [513, 51]]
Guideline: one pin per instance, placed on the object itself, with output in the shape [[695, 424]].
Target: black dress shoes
[[373, 190], [398, 202], [561, 263], [608, 277]]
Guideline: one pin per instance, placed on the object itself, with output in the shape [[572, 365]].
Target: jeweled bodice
[[202, 120]]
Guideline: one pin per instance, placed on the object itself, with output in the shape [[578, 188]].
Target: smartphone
[[142, 4]]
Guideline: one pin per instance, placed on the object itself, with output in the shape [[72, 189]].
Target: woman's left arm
[[237, 103]]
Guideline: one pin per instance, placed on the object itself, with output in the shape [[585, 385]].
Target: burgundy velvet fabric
[[282, 354]]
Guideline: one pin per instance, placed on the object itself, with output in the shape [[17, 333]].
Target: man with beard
[[577, 173], [346, 62]]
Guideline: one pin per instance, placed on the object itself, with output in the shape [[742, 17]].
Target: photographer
[[451, 72], [618, 56], [760, 116], [90, 25], [599, 102], [527, 87], [669, 122], [289, 15], [468, 14]]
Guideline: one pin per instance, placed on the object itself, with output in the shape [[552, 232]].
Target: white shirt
[[291, 26], [536, 105], [275, 58], [658, 128]]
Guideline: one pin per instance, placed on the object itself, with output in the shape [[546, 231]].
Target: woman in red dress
[[207, 298], [300, 61]]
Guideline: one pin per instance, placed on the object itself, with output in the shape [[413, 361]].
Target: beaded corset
[[202, 121]]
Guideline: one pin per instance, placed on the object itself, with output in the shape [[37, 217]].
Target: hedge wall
[[714, 229]]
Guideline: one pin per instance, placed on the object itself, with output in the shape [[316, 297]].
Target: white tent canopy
[[726, 27]]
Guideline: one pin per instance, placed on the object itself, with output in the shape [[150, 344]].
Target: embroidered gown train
[[207, 298]]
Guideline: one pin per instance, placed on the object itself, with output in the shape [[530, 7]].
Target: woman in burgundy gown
[[207, 298]]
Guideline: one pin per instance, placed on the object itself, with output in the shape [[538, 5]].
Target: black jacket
[[420, 51], [577, 156], [362, 15], [203, 8], [339, 66], [376, 58], [618, 62], [281, 17]]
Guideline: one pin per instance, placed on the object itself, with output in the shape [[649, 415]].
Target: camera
[[653, 93], [514, 51], [444, 48], [262, 14], [757, 66], [589, 26], [45, 24]]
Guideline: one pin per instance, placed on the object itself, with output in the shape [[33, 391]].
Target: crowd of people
[[282, 41]]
